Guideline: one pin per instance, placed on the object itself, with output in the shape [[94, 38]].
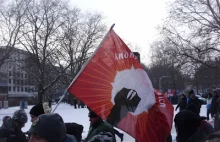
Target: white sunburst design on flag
[[138, 80]]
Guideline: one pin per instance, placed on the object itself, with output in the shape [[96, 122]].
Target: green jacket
[[97, 128]]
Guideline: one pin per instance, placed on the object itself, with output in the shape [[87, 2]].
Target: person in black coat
[[182, 103], [10, 131], [187, 124], [205, 126], [214, 103], [194, 100], [49, 127]]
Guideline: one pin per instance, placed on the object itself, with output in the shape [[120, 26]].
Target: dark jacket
[[99, 127], [198, 136], [181, 104], [187, 124], [214, 105], [217, 122], [195, 102], [9, 133]]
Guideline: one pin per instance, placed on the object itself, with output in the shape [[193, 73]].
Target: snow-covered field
[[79, 116]]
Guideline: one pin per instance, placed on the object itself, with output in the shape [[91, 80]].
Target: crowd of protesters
[[190, 126], [48, 127]]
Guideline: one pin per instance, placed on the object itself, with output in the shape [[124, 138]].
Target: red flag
[[114, 85]]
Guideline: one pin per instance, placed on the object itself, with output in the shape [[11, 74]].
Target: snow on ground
[[79, 116]]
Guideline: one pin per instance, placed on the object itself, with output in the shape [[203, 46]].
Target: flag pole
[[64, 93]]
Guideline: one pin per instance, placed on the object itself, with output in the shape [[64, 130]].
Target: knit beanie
[[92, 114], [40, 109], [37, 110], [51, 127]]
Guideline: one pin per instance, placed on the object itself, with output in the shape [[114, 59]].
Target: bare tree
[[39, 38], [191, 32], [81, 34], [11, 21], [58, 39], [53, 31]]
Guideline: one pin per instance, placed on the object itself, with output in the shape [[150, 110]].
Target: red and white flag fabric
[[114, 85]]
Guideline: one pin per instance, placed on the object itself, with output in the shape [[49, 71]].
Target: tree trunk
[[40, 93]]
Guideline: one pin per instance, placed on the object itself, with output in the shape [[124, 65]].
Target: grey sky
[[135, 20]]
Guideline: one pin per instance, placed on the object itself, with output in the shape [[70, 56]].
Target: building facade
[[15, 81]]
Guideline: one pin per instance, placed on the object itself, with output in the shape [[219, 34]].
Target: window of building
[[22, 89], [18, 81], [9, 88], [25, 75], [14, 89], [22, 82], [18, 89], [21, 75], [9, 81], [25, 82], [14, 81], [26, 89], [9, 73]]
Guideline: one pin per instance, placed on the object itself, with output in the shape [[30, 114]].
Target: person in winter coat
[[205, 126], [49, 128], [208, 105], [37, 110], [11, 131], [71, 128], [214, 104], [182, 103], [194, 100], [5, 118], [99, 130], [187, 125], [75, 102]]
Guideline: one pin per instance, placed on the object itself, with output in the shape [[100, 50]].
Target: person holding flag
[[99, 130]]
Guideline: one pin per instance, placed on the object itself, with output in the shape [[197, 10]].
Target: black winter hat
[[92, 114], [50, 127], [37, 110]]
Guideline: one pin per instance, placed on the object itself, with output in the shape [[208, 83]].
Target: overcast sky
[[135, 20]]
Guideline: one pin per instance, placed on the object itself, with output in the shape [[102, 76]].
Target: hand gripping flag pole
[[64, 93]]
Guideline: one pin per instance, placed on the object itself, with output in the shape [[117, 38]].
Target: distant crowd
[[190, 126]]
